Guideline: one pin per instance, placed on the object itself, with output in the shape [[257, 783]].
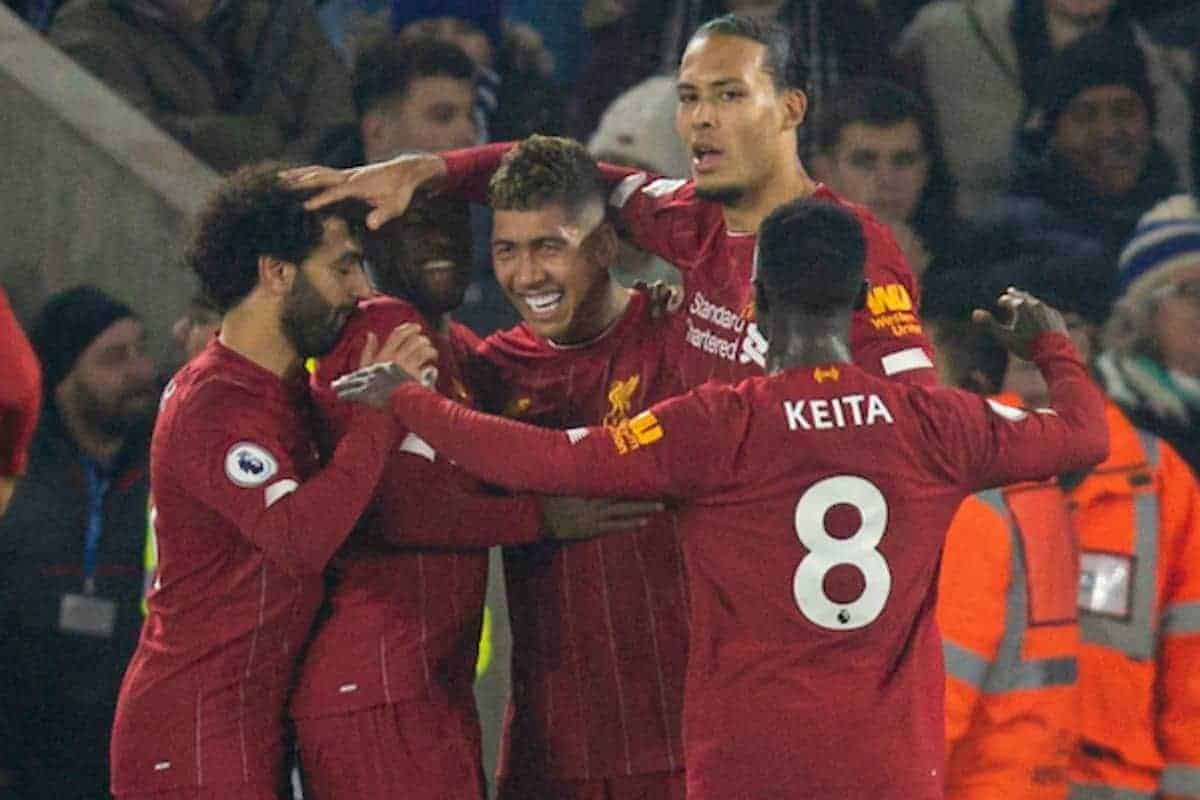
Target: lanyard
[[97, 486]]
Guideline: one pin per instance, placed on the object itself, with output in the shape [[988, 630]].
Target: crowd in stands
[[1052, 145]]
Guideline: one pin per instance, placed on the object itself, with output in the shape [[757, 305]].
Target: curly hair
[[546, 170], [251, 214]]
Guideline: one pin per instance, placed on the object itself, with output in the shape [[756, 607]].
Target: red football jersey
[[246, 521], [20, 392], [599, 628], [818, 502], [719, 338], [404, 610]]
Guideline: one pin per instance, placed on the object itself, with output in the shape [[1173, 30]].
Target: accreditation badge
[[87, 615]]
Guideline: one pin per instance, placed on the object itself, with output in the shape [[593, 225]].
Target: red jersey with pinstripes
[[246, 520], [406, 591], [599, 628]]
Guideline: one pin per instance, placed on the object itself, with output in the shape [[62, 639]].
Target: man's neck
[[259, 337], [807, 342], [610, 308], [745, 215], [99, 446]]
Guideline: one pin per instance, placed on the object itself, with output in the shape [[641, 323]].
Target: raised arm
[[988, 444]]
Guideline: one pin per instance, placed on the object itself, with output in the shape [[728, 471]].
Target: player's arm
[[671, 450], [389, 185], [235, 458], [1178, 690], [893, 344], [20, 397], [987, 444]]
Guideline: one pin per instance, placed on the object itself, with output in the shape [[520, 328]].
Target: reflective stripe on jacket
[[1138, 516], [1006, 608]]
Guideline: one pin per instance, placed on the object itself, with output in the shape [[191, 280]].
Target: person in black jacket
[[72, 549]]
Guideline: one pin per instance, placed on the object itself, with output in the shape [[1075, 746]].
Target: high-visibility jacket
[[1006, 608], [1138, 517]]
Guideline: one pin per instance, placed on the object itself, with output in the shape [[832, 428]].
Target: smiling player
[[741, 99], [816, 501]]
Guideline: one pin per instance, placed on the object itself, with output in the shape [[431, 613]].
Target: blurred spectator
[[1151, 360], [37, 13], [1006, 596], [878, 147], [633, 40], [638, 130], [71, 548], [20, 393], [1095, 166], [235, 81], [345, 21], [517, 95], [561, 26], [982, 64], [414, 95], [1138, 519]]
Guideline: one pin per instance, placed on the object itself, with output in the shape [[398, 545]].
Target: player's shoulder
[[381, 313], [883, 251], [517, 343], [215, 385]]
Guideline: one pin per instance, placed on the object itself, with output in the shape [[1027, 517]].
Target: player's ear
[[603, 244], [276, 275], [795, 107]]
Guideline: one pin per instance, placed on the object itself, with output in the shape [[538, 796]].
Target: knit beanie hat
[[483, 14], [638, 129], [1167, 236], [1098, 59], [65, 326]]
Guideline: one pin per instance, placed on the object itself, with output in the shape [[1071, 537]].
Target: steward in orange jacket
[[1006, 598], [1006, 608], [1138, 516]]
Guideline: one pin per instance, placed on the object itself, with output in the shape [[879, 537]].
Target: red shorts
[[655, 786], [412, 751]]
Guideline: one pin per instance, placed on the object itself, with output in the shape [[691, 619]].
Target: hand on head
[[387, 186]]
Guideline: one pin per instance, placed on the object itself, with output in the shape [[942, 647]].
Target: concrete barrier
[[90, 190]]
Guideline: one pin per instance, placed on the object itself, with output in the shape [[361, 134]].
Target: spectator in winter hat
[[1094, 167], [1151, 361]]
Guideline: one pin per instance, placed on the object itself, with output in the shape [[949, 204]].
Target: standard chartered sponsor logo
[[748, 349], [721, 316]]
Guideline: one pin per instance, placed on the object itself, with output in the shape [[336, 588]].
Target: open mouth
[[705, 158], [543, 303]]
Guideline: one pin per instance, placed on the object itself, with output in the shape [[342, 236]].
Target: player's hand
[[1028, 318], [665, 298], [407, 355], [572, 518], [387, 186]]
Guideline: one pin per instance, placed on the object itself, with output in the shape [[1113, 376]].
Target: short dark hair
[[884, 104], [385, 66], [546, 170], [781, 60], [948, 296], [810, 255], [251, 214]]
